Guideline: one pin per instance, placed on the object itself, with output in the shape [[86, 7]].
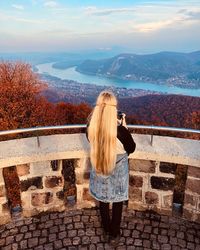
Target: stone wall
[[55, 175], [151, 185], [191, 209], [40, 187]]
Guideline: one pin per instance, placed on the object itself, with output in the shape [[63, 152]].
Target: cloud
[[5, 17], [92, 10], [18, 7], [51, 4], [191, 15], [153, 26]]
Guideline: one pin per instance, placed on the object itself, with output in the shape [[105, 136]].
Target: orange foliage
[[22, 105], [19, 95]]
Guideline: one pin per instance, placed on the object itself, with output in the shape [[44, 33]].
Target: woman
[[110, 145]]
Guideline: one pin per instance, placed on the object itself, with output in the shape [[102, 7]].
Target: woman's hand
[[122, 121]]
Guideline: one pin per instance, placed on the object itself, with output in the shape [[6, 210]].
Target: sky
[[139, 26]]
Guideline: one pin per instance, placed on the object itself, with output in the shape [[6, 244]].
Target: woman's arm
[[126, 139]]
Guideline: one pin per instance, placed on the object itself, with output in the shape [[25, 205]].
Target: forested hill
[[164, 110], [180, 69]]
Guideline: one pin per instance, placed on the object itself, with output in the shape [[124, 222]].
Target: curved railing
[[76, 126]]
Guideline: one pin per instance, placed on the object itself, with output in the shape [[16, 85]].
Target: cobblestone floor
[[81, 229]]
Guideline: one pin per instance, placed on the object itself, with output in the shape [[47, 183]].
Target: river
[[72, 74]]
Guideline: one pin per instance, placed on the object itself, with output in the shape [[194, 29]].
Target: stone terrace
[[81, 229]]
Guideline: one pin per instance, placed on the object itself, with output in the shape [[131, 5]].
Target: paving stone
[[81, 232], [44, 218], [2, 242], [14, 246], [126, 232], [173, 240], [69, 226], [44, 233], [33, 242], [95, 239], [53, 229], [145, 236], [171, 232], [135, 234], [72, 233], [48, 246], [58, 244], [190, 246], [52, 237], [78, 225], [162, 239], [131, 225], [92, 247], [62, 228], [166, 247], [53, 216], [129, 241], [28, 235], [181, 243], [75, 229], [147, 243], [48, 224], [62, 235], [147, 229], [39, 248], [190, 237], [180, 235], [58, 222], [90, 231], [5, 233], [9, 240], [155, 245], [36, 233], [42, 240], [140, 227], [24, 229], [85, 218], [9, 247], [137, 242], [23, 244], [85, 240], [32, 227], [76, 240], [13, 231]]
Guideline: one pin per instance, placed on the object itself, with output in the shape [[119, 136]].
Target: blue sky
[[71, 25]]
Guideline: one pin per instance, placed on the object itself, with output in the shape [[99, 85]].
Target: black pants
[[111, 226]]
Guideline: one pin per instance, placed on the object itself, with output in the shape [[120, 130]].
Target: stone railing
[[54, 174]]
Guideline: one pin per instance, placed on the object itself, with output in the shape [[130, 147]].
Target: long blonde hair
[[102, 133]]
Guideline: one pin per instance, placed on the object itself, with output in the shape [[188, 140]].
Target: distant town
[[66, 90]]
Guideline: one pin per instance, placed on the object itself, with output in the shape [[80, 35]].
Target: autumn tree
[[20, 99]]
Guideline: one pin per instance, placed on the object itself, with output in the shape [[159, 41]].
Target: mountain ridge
[[174, 68]]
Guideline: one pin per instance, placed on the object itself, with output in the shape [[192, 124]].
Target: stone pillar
[[191, 209], [82, 170], [4, 211]]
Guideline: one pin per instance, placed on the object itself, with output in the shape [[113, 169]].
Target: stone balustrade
[[54, 174]]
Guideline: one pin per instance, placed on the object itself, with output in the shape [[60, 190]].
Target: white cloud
[[51, 4], [92, 10], [18, 7]]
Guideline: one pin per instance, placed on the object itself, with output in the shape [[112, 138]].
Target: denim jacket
[[114, 187]]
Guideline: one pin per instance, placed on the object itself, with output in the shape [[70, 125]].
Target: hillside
[[164, 110], [180, 69]]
